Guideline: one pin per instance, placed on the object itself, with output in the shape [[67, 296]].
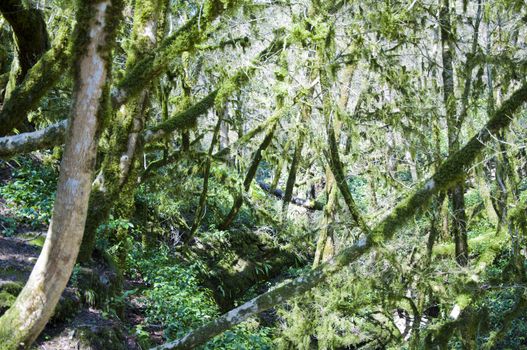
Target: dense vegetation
[[263, 174]]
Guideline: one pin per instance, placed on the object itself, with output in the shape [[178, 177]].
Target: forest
[[263, 174]]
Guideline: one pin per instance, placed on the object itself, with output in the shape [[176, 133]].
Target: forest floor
[[75, 325]]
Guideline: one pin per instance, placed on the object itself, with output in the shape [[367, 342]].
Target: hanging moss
[[184, 39]]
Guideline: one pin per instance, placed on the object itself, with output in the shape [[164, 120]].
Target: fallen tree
[[448, 174], [309, 204]]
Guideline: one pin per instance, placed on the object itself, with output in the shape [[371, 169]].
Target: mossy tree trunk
[[116, 182], [31, 38], [23, 322], [457, 193]]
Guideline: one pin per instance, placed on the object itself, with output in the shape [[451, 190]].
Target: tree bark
[[117, 184], [24, 321], [456, 194]]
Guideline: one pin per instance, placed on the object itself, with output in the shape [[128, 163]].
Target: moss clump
[[11, 287], [6, 300]]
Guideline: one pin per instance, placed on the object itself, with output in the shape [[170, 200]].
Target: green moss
[[187, 118], [6, 300], [184, 39], [11, 287], [38, 81], [10, 335], [463, 300]]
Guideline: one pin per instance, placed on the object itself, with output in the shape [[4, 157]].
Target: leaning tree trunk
[[24, 321]]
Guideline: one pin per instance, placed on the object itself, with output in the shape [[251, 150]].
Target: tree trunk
[[456, 194], [116, 182], [24, 321]]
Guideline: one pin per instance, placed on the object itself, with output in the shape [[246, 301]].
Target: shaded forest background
[[266, 174]]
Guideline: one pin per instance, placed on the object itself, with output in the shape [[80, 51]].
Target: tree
[[95, 36]]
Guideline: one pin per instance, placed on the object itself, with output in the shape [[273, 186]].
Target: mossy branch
[[48, 137], [449, 173], [184, 39], [305, 203], [182, 120], [31, 141], [341, 181], [38, 81]]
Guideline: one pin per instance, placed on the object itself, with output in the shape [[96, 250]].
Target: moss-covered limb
[[188, 117], [184, 39], [182, 120], [27, 142], [249, 135], [243, 41], [305, 203], [37, 82], [325, 242], [269, 299], [54, 134], [198, 216], [452, 169], [341, 181], [30, 32], [249, 176], [95, 36], [297, 155], [172, 158]]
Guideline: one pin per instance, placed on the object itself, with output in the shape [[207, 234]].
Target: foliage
[[175, 300], [30, 193]]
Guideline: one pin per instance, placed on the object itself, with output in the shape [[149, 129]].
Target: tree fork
[[118, 167]]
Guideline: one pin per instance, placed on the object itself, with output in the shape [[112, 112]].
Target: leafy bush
[[175, 300], [31, 193]]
